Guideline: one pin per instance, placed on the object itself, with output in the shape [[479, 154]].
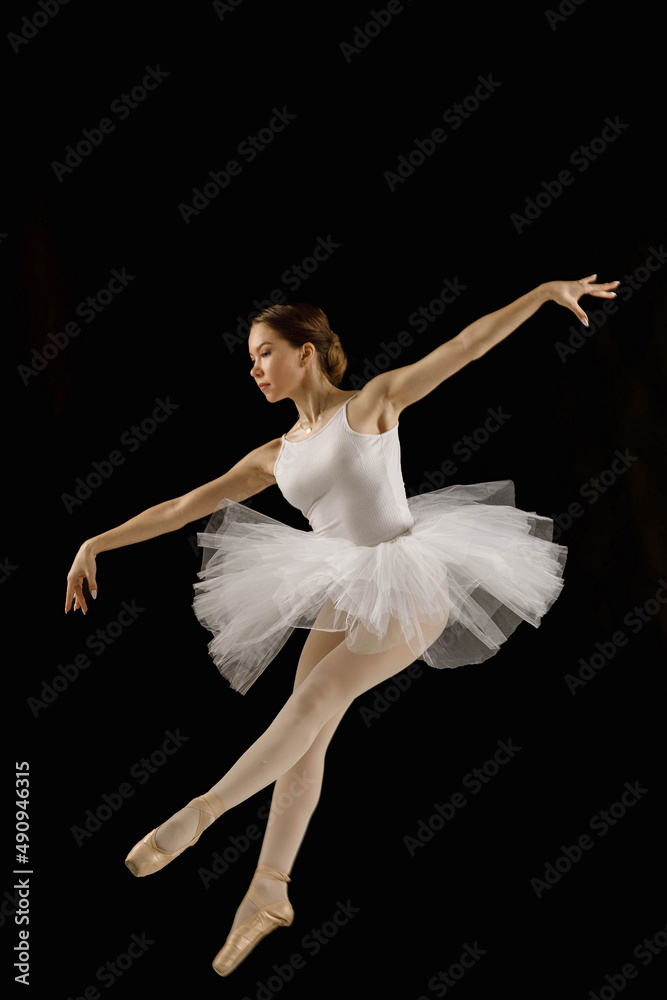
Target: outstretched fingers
[[603, 290], [573, 291]]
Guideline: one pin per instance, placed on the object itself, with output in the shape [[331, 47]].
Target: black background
[[162, 337]]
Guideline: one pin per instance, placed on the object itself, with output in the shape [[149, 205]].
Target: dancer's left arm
[[406, 385], [488, 331]]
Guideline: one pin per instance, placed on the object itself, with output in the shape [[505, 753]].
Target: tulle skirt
[[453, 587]]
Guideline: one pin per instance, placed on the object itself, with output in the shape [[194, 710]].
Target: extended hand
[[83, 567], [568, 293]]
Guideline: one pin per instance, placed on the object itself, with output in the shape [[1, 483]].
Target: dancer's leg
[[332, 685], [296, 792]]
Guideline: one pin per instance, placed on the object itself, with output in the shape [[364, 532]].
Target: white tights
[[292, 749]]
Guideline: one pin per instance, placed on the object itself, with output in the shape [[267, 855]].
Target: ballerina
[[379, 581]]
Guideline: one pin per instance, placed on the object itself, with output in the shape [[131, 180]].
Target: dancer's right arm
[[252, 474]]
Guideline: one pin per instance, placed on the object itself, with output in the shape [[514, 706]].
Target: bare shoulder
[[371, 411]]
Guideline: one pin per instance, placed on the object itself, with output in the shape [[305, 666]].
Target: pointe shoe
[[146, 857], [248, 934]]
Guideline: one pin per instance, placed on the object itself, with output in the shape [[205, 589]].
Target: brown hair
[[301, 322]]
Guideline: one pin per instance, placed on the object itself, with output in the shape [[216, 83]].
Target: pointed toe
[[248, 934], [241, 941], [146, 857]]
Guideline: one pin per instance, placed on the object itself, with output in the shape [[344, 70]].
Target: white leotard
[[346, 484]]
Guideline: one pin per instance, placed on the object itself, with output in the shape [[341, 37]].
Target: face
[[274, 363]]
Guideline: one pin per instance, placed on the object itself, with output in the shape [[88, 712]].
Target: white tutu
[[469, 570]]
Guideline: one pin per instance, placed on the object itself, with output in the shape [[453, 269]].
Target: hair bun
[[299, 323]]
